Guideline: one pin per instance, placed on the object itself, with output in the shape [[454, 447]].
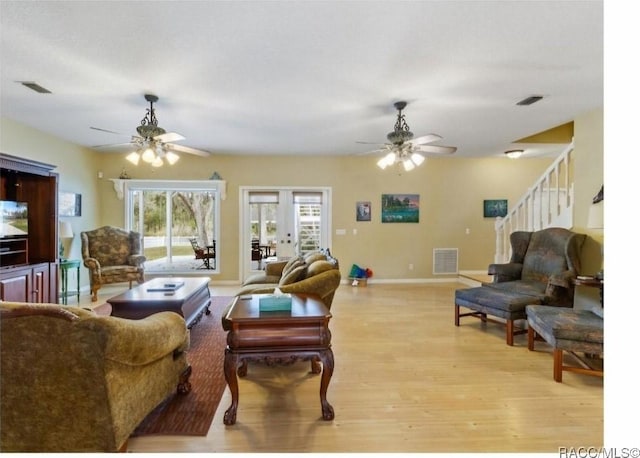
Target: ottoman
[[570, 330], [485, 300]]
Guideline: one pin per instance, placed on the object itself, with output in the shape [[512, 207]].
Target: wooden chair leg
[[531, 337], [557, 365], [457, 315], [510, 333]]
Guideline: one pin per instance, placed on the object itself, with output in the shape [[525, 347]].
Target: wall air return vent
[[445, 261], [530, 100]]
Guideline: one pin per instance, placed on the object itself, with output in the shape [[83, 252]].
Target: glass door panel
[[169, 220], [280, 224]]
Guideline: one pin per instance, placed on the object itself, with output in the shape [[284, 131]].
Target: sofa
[[112, 255], [314, 273], [75, 381]]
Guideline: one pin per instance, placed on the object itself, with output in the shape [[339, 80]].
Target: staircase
[[548, 203]]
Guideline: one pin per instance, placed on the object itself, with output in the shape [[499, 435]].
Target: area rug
[[192, 414]]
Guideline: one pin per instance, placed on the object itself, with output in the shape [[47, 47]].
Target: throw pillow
[[293, 276], [313, 257], [292, 264], [318, 267]]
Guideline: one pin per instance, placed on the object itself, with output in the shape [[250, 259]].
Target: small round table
[[65, 265]]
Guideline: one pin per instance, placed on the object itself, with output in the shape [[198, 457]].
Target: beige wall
[[451, 193], [589, 177]]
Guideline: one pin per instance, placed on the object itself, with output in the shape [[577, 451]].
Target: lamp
[[65, 231], [514, 153], [595, 220]]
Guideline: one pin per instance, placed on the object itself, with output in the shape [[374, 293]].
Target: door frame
[[244, 249]]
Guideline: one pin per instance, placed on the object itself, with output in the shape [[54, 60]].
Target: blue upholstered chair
[[541, 270]]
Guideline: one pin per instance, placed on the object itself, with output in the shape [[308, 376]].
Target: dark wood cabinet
[[29, 264], [30, 283]]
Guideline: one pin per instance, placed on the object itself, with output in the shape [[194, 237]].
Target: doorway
[[280, 223]]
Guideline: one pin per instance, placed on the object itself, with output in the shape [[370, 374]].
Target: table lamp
[[595, 220], [65, 231]]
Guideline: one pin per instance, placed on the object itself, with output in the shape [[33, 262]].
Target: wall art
[[400, 208], [363, 211], [69, 204], [495, 207]]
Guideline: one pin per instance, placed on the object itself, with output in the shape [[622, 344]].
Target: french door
[[279, 223]]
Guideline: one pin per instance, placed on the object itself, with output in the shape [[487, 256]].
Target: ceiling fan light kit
[[152, 144], [404, 149]]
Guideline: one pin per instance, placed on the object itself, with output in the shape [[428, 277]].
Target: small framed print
[[495, 207], [69, 204], [363, 211]]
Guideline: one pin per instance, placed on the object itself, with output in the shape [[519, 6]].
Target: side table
[[591, 282], [65, 266]]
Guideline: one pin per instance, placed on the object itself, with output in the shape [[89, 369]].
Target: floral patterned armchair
[[112, 255]]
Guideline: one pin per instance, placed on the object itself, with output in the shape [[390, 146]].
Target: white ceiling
[[302, 77]]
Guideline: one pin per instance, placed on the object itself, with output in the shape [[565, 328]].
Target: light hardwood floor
[[406, 380]]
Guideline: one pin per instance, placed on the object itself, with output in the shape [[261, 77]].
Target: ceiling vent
[[35, 87], [529, 100]]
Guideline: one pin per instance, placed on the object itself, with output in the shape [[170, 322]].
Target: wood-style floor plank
[[407, 380]]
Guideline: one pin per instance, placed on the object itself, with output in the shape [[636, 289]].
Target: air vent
[[445, 261], [35, 87], [530, 100]]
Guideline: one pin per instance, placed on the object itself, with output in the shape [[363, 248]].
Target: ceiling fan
[[403, 149], [153, 144]]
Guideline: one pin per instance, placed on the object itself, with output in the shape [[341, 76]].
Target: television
[[14, 219]]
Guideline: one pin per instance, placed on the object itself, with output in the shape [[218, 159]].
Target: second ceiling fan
[[153, 144], [403, 149]]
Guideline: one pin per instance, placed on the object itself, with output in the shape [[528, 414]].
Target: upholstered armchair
[[75, 381], [112, 255], [541, 270], [543, 264]]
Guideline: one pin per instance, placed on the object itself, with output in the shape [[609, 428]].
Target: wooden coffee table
[[277, 338], [190, 300]]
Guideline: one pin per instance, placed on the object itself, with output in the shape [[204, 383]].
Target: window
[[169, 214]]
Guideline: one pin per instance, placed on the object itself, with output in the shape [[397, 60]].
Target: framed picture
[[400, 208], [69, 204], [495, 207], [363, 211]]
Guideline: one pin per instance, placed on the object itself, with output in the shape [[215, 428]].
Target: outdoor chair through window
[[205, 254]]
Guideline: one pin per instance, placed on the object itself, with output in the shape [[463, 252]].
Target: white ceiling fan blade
[[187, 150], [105, 130], [436, 149], [430, 138], [111, 145], [169, 137], [384, 149]]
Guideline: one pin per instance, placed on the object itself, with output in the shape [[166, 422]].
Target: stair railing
[[549, 202]]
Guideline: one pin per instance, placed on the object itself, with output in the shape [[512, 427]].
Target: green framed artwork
[[495, 207], [400, 208]]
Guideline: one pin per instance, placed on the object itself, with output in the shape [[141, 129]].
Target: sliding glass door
[[173, 218]]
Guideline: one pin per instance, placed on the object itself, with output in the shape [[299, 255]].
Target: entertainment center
[[29, 234]]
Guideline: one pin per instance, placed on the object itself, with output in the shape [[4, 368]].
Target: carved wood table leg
[[230, 374], [242, 370], [327, 362], [184, 385]]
